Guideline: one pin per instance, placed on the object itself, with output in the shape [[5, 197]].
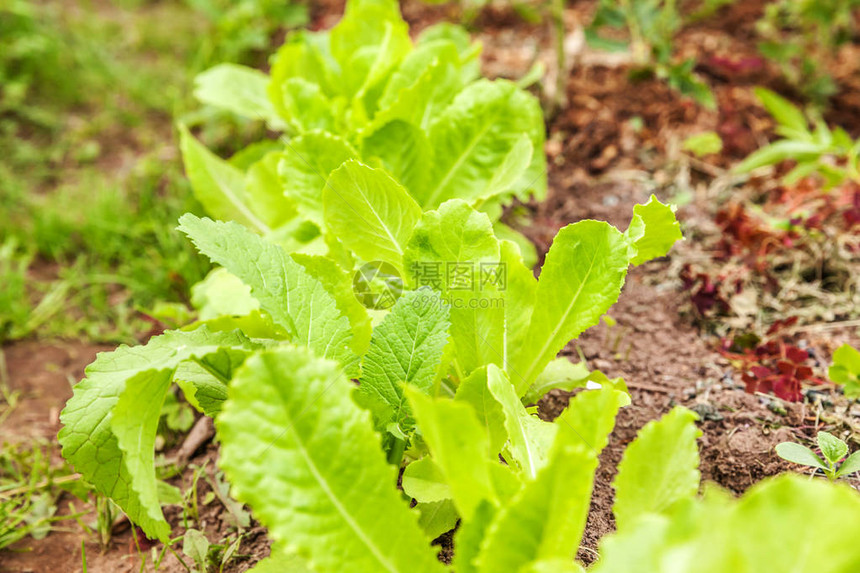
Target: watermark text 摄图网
[[463, 285]]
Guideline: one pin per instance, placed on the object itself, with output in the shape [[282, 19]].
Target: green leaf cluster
[[436, 387], [803, 39], [651, 27], [433, 341], [417, 111], [319, 400], [526, 514], [833, 450], [828, 153]]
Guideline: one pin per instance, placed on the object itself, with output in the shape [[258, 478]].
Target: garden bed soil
[[601, 149]]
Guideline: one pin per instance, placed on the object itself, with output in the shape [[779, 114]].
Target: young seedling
[[833, 450], [845, 370]]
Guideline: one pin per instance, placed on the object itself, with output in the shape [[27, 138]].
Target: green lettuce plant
[[432, 340], [833, 450], [441, 387], [512, 516], [365, 91]]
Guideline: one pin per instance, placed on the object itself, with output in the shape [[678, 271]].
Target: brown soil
[[44, 374]]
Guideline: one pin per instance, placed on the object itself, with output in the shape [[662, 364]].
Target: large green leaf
[[453, 249], [475, 391], [367, 43], [469, 537], [203, 382], [220, 294], [529, 437], [590, 416], [304, 57], [307, 163], [453, 233], [405, 348], [660, 544], [292, 297], [580, 280], [786, 523], [266, 193], [520, 289], [437, 517], [414, 67], [218, 186], [546, 518], [524, 248], [512, 168], [110, 423], [659, 469], [653, 230], [403, 150], [470, 51], [421, 88], [424, 482], [820, 519], [474, 135], [338, 283], [308, 107], [460, 455], [239, 89], [369, 212], [323, 489]]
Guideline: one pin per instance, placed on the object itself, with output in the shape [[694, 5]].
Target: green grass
[[29, 489], [91, 183], [91, 186]]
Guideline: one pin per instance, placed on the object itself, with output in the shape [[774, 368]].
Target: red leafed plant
[[773, 366], [744, 234], [704, 291]]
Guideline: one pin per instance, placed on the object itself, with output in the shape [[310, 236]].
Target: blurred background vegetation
[[90, 93]]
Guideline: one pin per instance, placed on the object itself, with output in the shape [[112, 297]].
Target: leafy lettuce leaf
[[659, 469], [369, 212], [310, 480], [290, 295], [406, 348], [110, 423]]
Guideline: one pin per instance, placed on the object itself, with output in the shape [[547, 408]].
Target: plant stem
[[395, 456]]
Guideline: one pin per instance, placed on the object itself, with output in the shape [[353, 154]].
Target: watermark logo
[[377, 285], [457, 276]]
